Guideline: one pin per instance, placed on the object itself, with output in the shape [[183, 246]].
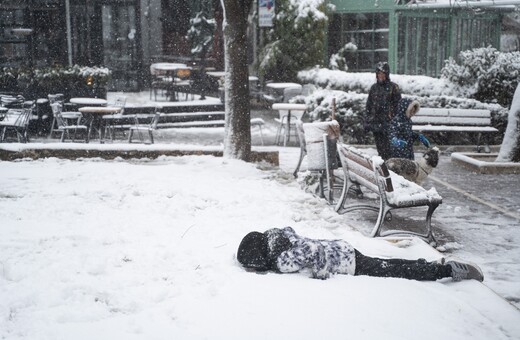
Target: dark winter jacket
[[381, 105], [401, 128], [322, 257]]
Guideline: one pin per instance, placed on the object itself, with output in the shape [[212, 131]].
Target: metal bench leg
[[302, 154], [429, 233], [383, 210]]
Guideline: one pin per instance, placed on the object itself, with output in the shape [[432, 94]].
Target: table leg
[[96, 123], [288, 129]]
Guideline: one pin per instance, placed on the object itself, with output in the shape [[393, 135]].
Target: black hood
[[385, 68], [252, 251]]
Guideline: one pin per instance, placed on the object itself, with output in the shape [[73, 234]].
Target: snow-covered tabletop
[[88, 101], [168, 66], [283, 85]]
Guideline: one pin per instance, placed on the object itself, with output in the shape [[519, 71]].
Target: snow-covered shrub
[[337, 60], [349, 112], [488, 74], [296, 41], [351, 92], [8, 78], [39, 82]]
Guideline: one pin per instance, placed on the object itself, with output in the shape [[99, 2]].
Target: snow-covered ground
[[94, 249], [145, 249]]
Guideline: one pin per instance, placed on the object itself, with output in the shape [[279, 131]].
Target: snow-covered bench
[[202, 120], [394, 192], [453, 120]]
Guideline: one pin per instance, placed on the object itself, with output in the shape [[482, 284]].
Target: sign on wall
[[265, 13]]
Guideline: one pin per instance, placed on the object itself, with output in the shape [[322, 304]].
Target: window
[[422, 45], [13, 46], [424, 41], [31, 35], [368, 31], [474, 32]]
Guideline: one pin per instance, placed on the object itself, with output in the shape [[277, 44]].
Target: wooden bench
[[454, 120], [393, 191]]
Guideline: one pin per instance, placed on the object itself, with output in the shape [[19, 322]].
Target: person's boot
[[465, 271]]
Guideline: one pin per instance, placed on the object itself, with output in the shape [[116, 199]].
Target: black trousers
[[382, 140], [406, 269]]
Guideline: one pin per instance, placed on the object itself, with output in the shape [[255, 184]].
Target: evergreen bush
[[296, 41]]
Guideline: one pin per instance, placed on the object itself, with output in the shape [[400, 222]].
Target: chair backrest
[[56, 111], [156, 118], [297, 114], [56, 98], [120, 101], [12, 101]]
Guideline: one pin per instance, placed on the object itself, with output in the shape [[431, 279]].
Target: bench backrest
[[434, 116], [364, 171]]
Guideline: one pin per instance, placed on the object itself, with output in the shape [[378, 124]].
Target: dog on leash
[[415, 171]]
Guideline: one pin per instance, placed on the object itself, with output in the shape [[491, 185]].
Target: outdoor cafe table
[[95, 114], [222, 74], [84, 101], [170, 71]]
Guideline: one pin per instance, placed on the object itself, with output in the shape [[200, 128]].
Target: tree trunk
[[510, 148], [237, 139]]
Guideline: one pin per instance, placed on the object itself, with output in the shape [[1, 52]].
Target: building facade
[[125, 36], [415, 37]]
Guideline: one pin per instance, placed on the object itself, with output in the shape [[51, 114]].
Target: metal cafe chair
[[149, 127], [67, 115], [18, 121], [115, 121], [65, 127]]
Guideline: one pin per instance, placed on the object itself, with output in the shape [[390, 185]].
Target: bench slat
[[447, 128], [451, 120], [428, 111], [205, 123]]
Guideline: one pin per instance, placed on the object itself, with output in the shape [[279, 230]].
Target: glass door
[[121, 45]]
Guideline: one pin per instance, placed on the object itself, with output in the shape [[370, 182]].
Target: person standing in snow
[[402, 136], [381, 106], [283, 251]]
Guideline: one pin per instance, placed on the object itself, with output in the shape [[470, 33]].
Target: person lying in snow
[[284, 251]]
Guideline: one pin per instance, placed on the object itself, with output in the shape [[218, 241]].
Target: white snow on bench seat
[[406, 192], [448, 128]]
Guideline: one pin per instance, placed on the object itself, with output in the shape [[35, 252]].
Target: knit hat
[[252, 251]]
